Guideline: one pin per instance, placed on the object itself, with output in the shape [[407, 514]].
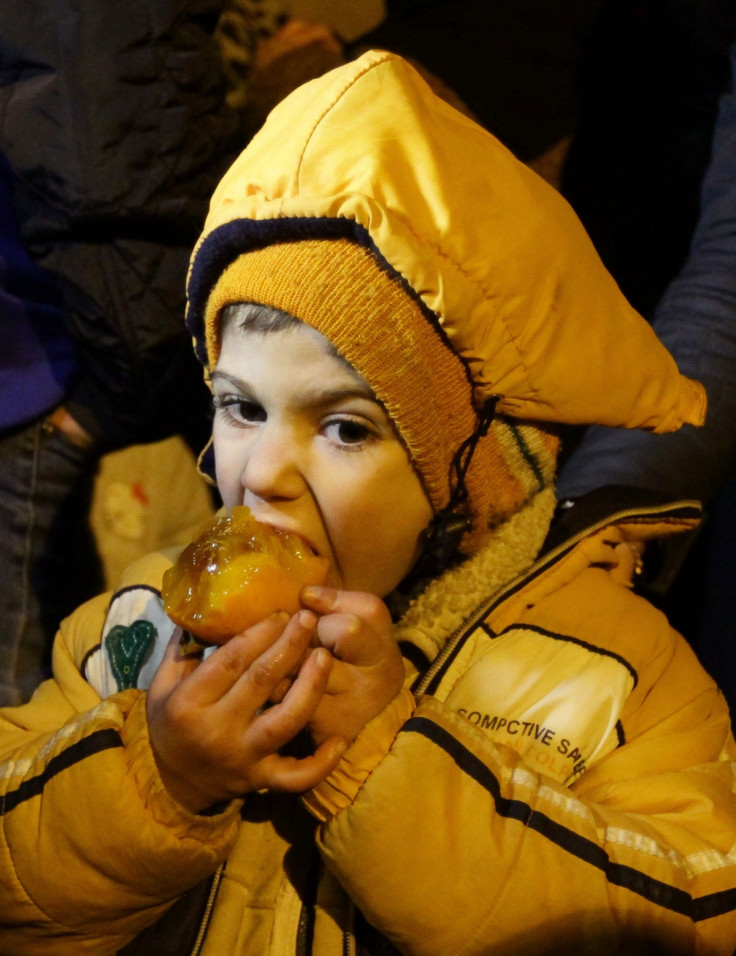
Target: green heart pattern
[[127, 649]]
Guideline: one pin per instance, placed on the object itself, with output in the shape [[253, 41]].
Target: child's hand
[[367, 670], [209, 737]]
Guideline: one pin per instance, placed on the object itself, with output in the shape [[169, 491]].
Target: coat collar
[[607, 530]]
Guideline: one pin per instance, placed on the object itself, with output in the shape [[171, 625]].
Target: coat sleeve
[[450, 843], [92, 848]]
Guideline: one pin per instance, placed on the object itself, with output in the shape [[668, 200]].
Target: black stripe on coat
[[97, 742], [668, 897], [557, 636], [543, 632]]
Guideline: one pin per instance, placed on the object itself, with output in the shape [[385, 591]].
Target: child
[[464, 742]]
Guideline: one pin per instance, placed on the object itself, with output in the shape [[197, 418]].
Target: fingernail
[[307, 619], [322, 655], [313, 592]]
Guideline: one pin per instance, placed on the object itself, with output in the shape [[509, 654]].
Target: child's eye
[[348, 431], [240, 409]]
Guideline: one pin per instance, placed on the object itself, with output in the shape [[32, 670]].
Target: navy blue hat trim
[[229, 241]]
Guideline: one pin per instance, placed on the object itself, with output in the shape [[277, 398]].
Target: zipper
[[308, 895], [483, 609], [203, 926], [348, 937], [303, 931]]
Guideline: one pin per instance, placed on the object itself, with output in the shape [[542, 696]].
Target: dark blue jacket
[[115, 127], [38, 360]]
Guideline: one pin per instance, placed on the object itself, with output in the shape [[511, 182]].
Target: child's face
[[300, 439]]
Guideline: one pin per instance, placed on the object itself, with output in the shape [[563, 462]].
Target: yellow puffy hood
[[493, 251]]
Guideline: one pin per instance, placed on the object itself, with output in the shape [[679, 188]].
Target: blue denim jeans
[[48, 559]]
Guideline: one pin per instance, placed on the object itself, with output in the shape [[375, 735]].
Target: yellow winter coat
[[561, 780]]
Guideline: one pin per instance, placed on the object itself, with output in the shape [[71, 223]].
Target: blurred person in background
[[113, 132]]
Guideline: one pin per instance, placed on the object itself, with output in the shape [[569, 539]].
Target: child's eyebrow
[[316, 395]]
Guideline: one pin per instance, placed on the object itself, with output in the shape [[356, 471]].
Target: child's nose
[[272, 467]]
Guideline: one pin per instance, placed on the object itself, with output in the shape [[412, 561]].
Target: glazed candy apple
[[236, 573]]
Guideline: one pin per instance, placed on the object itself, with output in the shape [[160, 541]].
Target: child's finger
[[282, 722], [341, 634], [354, 641], [223, 669], [174, 668], [367, 607], [296, 775], [280, 691], [280, 660]]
